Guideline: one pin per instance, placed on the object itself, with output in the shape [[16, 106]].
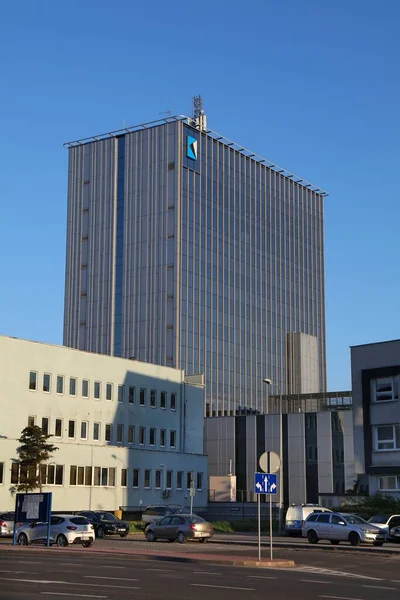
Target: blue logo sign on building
[[265, 483], [191, 151]]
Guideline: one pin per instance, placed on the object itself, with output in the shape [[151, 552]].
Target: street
[[116, 570]]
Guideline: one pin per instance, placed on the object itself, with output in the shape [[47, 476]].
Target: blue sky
[[312, 85]]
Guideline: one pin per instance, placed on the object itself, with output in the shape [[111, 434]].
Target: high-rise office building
[[187, 250]]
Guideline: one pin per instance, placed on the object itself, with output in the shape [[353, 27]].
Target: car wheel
[[124, 534], [100, 532], [171, 540], [202, 540], [61, 540], [354, 539], [312, 537], [22, 540], [378, 544], [150, 536], [181, 537], [87, 544], [335, 542]]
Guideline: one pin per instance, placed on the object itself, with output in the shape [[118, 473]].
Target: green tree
[[34, 452]]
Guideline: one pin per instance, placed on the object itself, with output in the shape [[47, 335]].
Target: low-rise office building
[[375, 370], [128, 433]]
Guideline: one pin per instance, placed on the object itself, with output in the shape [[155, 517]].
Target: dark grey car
[[180, 527]]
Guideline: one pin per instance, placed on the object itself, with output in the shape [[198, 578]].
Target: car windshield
[[382, 519], [106, 516], [354, 520], [194, 519]]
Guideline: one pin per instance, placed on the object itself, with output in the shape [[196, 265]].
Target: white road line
[[339, 597], [163, 570], [205, 573], [379, 587], [105, 577], [316, 581], [18, 572], [260, 577], [71, 595], [394, 580], [223, 587], [58, 582], [110, 567]]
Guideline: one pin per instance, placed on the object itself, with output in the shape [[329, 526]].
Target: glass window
[[163, 400], [96, 431], [179, 480], [33, 380], [131, 394], [173, 401], [158, 479], [169, 480], [81, 476], [45, 425], [120, 393], [84, 430], [135, 482], [387, 437], [199, 481], [97, 390], [389, 483], [31, 421], [97, 476], [142, 400], [142, 435], [72, 386], [72, 474], [162, 438], [14, 473], [189, 479], [131, 434], [107, 434], [385, 389], [60, 384], [104, 476], [152, 436], [323, 518], [85, 388], [88, 475], [109, 391], [58, 428], [147, 476], [46, 382], [120, 433], [172, 436], [153, 398], [124, 477], [71, 429], [111, 476], [59, 475]]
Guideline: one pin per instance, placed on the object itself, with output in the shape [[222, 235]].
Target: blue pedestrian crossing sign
[[265, 483]]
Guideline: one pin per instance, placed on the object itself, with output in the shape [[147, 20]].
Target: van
[[297, 513]]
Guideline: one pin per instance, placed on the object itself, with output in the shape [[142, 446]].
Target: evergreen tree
[[33, 453]]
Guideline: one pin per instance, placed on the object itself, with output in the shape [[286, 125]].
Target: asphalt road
[[56, 573]]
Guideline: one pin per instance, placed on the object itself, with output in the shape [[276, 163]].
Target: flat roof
[[213, 134], [374, 343]]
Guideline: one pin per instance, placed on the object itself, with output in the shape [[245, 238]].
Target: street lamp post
[[269, 382]]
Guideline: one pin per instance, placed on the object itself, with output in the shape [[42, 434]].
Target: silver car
[[339, 527], [181, 528], [7, 524], [64, 530]]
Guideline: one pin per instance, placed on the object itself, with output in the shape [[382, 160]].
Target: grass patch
[[244, 526], [135, 527]]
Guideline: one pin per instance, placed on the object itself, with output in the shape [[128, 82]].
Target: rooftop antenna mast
[[199, 117]]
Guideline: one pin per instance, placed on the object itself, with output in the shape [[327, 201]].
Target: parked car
[[297, 514], [180, 527], [64, 530], [105, 523], [385, 522], [339, 527], [155, 512], [7, 524], [394, 534]]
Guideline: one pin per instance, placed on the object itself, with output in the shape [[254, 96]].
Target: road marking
[[315, 581], [223, 587], [105, 577], [164, 570], [330, 573], [71, 595], [49, 581], [260, 577], [205, 573], [339, 597], [379, 587], [110, 567], [18, 572]]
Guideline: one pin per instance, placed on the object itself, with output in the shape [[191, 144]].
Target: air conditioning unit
[[166, 493]]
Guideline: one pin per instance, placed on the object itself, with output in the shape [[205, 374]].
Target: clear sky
[[312, 85]]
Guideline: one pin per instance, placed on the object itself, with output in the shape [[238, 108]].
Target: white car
[[64, 530]]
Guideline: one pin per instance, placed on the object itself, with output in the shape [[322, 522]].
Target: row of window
[[118, 433], [106, 476], [122, 391]]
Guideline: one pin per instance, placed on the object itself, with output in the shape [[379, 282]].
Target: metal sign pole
[[270, 525], [259, 526], [48, 519]]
